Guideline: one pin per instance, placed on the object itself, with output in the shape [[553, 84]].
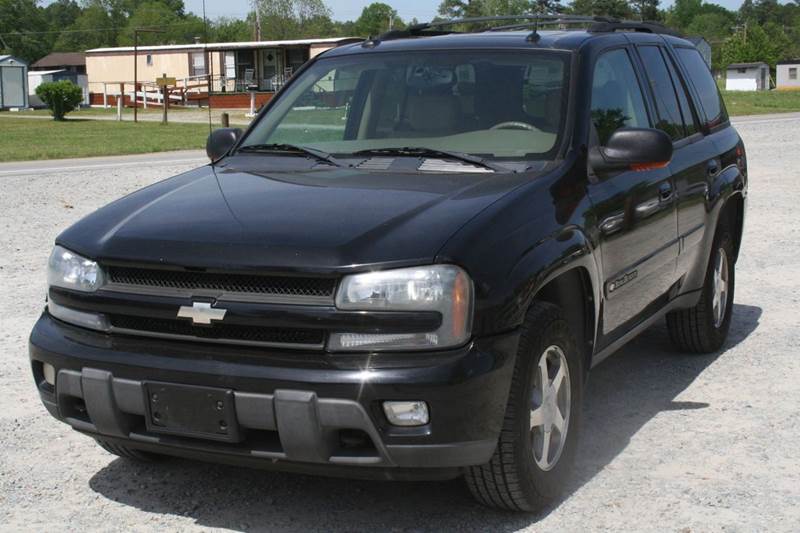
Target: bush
[[60, 96]]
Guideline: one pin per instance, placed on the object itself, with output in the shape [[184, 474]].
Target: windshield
[[493, 104]]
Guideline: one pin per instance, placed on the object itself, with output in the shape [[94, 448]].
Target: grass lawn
[[25, 139], [760, 103]]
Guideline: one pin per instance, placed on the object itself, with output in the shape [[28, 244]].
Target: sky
[[351, 9]]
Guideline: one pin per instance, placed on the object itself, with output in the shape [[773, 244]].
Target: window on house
[[793, 73], [149, 60], [197, 64], [741, 70]]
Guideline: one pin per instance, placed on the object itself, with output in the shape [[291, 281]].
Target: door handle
[[713, 167], [665, 193]]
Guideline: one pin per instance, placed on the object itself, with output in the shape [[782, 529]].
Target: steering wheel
[[514, 125]]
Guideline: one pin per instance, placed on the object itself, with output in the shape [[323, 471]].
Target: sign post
[[164, 82]]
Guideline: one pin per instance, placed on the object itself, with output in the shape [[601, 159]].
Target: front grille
[[299, 337], [285, 287]]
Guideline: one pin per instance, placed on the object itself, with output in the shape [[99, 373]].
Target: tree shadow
[[623, 394]]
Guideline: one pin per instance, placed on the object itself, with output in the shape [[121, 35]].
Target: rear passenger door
[[695, 203], [692, 161], [635, 210]]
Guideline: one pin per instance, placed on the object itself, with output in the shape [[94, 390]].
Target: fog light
[[406, 414], [49, 372]]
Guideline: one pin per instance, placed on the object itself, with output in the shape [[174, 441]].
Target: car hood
[[317, 220]]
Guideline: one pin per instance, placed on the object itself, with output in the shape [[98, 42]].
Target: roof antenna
[[534, 37]]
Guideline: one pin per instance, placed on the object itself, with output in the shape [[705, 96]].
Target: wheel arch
[[733, 212], [564, 271]]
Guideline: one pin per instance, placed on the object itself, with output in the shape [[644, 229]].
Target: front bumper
[[297, 411]]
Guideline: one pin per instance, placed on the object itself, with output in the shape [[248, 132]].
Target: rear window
[[703, 81]]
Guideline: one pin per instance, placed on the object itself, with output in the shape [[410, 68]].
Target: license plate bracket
[[191, 411]]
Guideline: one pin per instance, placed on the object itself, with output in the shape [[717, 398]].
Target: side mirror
[[632, 149], [221, 141]]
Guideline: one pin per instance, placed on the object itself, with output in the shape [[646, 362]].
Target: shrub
[[60, 96]]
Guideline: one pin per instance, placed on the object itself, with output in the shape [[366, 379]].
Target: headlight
[[68, 270], [445, 289]]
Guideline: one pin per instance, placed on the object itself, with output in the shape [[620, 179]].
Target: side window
[[703, 81], [666, 100], [689, 121], [617, 100]]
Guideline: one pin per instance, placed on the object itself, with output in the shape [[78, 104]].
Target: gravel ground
[[671, 442]]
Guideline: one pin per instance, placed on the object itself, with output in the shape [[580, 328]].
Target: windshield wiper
[[293, 149], [421, 151]]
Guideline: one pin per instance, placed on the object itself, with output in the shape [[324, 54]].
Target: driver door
[[635, 211]]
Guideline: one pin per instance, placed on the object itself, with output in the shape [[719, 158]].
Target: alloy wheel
[[550, 407], [720, 288]]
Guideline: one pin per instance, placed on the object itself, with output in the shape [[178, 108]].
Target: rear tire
[[704, 328], [523, 475], [128, 453]]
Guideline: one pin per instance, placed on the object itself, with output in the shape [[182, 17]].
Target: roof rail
[[596, 25]]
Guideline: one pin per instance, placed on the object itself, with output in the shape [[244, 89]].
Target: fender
[[556, 255]]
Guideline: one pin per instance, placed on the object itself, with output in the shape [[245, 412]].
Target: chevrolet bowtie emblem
[[201, 313]]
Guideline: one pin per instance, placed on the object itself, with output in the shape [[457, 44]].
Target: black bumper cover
[[292, 407]]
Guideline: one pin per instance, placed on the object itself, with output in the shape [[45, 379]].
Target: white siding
[[782, 77], [749, 80]]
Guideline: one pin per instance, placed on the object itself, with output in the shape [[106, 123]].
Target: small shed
[[747, 77], [787, 75], [13, 83], [703, 46]]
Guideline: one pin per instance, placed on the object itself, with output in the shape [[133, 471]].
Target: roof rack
[[595, 25]]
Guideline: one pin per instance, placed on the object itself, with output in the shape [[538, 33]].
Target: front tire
[[536, 448], [704, 328]]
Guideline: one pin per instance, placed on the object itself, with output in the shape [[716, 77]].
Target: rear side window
[[617, 100], [689, 121], [670, 119], [710, 99]]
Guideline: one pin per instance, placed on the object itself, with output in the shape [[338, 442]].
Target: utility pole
[[136, 33], [258, 19]]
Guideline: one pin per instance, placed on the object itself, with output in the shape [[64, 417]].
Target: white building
[[788, 74], [747, 77]]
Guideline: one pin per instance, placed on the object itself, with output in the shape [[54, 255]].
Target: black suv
[[407, 265]]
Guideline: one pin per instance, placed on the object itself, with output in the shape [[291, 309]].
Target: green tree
[[376, 19], [683, 12], [61, 14], [606, 8], [228, 30], [291, 19], [60, 96], [646, 9], [756, 44], [92, 29], [457, 9], [21, 22], [174, 28]]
